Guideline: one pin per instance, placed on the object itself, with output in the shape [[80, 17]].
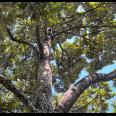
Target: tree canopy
[[82, 37]]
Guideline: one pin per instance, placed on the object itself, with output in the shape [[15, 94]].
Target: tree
[[45, 45], [114, 106]]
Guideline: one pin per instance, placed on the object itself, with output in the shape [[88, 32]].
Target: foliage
[[89, 46]]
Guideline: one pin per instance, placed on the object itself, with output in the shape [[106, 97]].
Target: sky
[[106, 69]]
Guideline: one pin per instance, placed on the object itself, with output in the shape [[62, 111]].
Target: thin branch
[[20, 41], [99, 31], [83, 36], [80, 26], [63, 50], [73, 16]]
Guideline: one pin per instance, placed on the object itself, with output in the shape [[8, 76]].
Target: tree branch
[[81, 14], [80, 35], [20, 41], [76, 90], [11, 87], [80, 26], [64, 51]]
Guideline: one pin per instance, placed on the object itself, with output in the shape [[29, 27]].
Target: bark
[[75, 91], [43, 95], [42, 98]]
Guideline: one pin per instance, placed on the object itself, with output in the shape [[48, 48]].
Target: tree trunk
[[43, 96]]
